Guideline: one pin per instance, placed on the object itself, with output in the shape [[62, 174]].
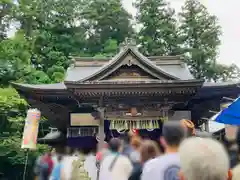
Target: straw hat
[[189, 125]]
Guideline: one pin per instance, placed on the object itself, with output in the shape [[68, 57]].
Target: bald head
[[173, 133], [203, 159]]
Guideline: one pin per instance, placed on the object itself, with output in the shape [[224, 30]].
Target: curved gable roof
[[117, 61]]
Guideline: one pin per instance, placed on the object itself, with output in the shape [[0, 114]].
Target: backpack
[[44, 170], [130, 153], [45, 166]]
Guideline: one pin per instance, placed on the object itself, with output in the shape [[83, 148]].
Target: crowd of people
[[180, 154]]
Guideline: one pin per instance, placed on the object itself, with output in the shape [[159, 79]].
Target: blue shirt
[[56, 173]]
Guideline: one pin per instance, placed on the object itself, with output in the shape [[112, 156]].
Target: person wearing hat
[[189, 126]]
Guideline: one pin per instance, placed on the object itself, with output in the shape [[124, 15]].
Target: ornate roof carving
[[128, 56], [173, 66]]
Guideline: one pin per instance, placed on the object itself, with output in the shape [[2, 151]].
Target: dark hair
[[114, 144], [59, 158], [126, 138], [173, 133]]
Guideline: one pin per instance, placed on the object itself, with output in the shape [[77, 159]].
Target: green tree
[[221, 72], [51, 28], [109, 49], [12, 113], [105, 20], [158, 34], [200, 33], [15, 54], [27, 13], [6, 8]]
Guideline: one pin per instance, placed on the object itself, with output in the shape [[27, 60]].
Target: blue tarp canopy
[[231, 114]]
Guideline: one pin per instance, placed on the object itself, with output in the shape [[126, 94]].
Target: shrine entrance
[[130, 92], [127, 91]]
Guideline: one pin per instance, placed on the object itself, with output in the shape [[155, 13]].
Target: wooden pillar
[[101, 111]]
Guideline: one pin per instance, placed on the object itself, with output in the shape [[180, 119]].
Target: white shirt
[[165, 167], [67, 166], [121, 170], [90, 166]]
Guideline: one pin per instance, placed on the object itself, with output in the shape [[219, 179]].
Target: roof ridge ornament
[[128, 43]]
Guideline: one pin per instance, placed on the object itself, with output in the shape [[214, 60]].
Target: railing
[[82, 131]]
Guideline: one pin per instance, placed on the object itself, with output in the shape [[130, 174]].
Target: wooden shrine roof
[[99, 74], [85, 67], [56, 86], [208, 90], [62, 87]]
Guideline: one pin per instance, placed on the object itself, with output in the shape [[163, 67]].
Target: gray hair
[[203, 159]]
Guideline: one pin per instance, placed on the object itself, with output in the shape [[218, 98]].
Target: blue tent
[[231, 114]]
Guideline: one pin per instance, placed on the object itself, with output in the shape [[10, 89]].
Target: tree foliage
[[105, 20], [158, 34], [200, 35], [12, 113], [5, 17], [49, 32]]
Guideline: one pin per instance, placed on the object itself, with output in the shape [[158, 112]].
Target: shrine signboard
[[83, 119]]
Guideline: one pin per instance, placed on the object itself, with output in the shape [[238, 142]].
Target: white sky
[[228, 13]]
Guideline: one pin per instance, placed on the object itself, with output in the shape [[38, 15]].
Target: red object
[[47, 159], [99, 156], [135, 131]]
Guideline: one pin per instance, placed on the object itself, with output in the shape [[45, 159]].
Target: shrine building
[[101, 98]]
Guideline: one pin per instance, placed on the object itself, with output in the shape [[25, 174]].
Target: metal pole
[[25, 166]]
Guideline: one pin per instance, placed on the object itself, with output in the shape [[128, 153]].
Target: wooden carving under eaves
[[130, 73], [134, 114], [129, 57]]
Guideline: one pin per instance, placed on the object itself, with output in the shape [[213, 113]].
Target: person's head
[[69, 151], [126, 138], [203, 159], [172, 134], [59, 158], [136, 142], [49, 154], [53, 152], [149, 150], [114, 145]]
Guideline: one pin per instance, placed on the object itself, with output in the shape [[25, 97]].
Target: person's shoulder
[[123, 157], [107, 158], [168, 157], [151, 162], [160, 161], [236, 170], [150, 165], [149, 169]]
